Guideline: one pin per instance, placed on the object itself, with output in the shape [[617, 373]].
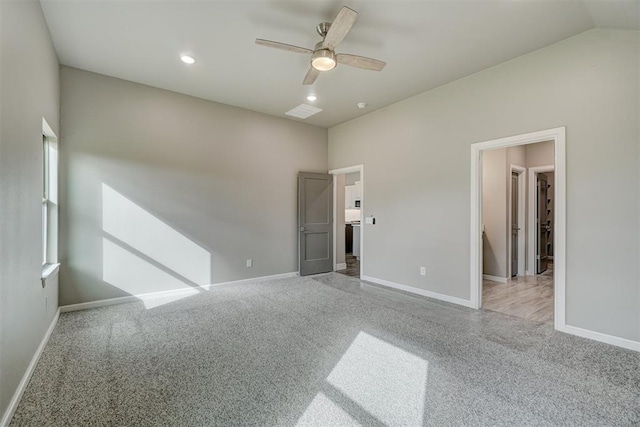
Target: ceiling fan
[[323, 56]]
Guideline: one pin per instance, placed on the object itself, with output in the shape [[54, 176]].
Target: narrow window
[[45, 198]]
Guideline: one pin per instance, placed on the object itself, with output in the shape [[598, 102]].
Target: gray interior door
[[542, 224], [514, 224], [315, 223]]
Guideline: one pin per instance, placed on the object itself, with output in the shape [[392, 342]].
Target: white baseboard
[[573, 330], [164, 294], [599, 336], [341, 266], [495, 278], [418, 291], [98, 303], [17, 395]]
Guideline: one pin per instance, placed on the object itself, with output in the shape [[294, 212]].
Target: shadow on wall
[[142, 255]]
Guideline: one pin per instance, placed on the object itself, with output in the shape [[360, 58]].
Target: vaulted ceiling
[[425, 44]]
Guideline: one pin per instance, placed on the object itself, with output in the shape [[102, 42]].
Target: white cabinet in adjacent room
[[350, 197], [358, 190]]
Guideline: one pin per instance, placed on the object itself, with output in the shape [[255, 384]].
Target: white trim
[[22, 386], [50, 198], [522, 188], [348, 169], [558, 136], [176, 292], [418, 291], [341, 171], [476, 230], [48, 131], [495, 278], [599, 336], [49, 270], [341, 266], [335, 225], [531, 228]]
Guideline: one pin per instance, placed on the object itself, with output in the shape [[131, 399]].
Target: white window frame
[[49, 248], [45, 199]]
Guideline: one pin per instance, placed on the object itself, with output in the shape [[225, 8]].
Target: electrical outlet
[[423, 271], [249, 263]]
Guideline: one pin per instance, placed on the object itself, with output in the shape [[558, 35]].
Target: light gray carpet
[[327, 350]]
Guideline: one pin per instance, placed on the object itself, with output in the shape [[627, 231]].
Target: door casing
[[558, 136], [531, 228], [521, 171]]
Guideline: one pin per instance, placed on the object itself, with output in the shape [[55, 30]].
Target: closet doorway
[[518, 226]]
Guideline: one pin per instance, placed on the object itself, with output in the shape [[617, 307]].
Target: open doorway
[[518, 226], [508, 286], [348, 203]]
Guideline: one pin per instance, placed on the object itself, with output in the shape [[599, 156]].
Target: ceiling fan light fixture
[[323, 56], [323, 60]]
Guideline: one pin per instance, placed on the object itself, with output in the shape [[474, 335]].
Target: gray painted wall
[[29, 91], [351, 178], [164, 191], [540, 154], [494, 212], [418, 187], [518, 155]]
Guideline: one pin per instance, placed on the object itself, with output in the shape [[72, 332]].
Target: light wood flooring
[[353, 267], [528, 297]]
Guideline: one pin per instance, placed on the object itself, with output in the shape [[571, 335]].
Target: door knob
[[301, 228]]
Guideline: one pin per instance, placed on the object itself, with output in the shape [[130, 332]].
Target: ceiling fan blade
[[360, 62], [311, 76], [339, 28], [283, 46]]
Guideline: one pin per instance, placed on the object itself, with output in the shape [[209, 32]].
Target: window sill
[[49, 270]]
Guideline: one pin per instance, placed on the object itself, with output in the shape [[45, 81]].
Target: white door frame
[[558, 136], [533, 177], [521, 171], [341, 171]]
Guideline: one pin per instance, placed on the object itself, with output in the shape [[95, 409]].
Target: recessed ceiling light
[[312, 98], [187, 59]]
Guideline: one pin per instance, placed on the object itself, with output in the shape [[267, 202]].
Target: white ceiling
[[425, 44]]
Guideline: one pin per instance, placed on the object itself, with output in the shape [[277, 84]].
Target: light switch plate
[[368, 220]]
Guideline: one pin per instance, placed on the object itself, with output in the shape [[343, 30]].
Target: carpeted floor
[[328, 350]]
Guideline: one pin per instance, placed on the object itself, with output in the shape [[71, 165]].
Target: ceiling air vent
[[303, 111]]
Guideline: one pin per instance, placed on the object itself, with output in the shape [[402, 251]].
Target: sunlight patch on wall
[[139, 229], [323, 412], [383, 379], [138, 277]]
